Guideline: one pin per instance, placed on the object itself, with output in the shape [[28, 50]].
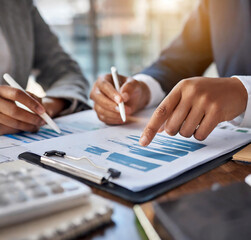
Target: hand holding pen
[[13, 118], [134, 94]]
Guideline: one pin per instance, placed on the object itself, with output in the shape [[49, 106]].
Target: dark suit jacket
[[34, 46], [219, 31]]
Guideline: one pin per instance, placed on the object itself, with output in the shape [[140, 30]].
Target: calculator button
[[8, 186], [30, 183], [2, 178], [4, 200], [40, 188], [55, 188], [49, 181], [18, 174], [18, 196], [70, 186], [38, 192], [5, 180]]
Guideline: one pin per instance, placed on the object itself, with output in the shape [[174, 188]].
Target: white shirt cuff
[[156, 92], [244, 120]]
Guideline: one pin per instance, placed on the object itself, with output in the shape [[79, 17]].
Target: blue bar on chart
[[162, 140], [46, 133], [164, 148], [15, 137], [29, 137], [132, 162], [146, 152], [96, 150], [167, 150]]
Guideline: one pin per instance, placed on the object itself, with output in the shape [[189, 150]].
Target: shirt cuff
[[244, 120], [156, 92]]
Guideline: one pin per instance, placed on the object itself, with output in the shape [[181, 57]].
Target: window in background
[[127, 33]]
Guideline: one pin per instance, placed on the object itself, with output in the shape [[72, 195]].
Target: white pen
[[116, 83], [44, 116]]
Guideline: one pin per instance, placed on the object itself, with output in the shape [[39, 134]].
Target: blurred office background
[[126, 33]]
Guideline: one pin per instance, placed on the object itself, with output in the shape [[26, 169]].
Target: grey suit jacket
[[34, 46], [219, 31]]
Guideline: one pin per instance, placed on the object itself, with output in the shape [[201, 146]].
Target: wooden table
[[124, 226]]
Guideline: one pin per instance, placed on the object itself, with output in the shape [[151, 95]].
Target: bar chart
[[162, 148], [10, 140]]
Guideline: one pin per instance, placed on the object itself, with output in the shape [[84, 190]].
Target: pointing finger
[[160, 115]]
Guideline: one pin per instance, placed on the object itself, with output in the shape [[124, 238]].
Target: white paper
[[74, 123], [165, 158]]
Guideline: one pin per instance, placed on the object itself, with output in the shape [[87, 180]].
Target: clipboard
[[153, 191]]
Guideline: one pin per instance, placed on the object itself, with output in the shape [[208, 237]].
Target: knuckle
[[194, 88], [149, 131], [161, 111], [16, 93], [205, 100], [100, 116], [104, 79], [216, 108], [3, 130], [33, 104], [13, 110], [133, 82], [37, 121], [184, 83], [92, 93], [32, 129], [98, 109], [17, 125], [12, 93]]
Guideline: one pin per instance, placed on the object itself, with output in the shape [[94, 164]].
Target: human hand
[[133, 93], [54, 106], [195, 106], [13, 118]]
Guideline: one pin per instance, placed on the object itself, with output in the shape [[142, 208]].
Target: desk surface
[[124, 226]]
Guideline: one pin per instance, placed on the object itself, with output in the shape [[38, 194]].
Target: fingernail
[[117, 99], [40, 109], [125, 96], [143, 141]]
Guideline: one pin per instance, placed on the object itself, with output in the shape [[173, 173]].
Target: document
[[141, 167], [74, 123]]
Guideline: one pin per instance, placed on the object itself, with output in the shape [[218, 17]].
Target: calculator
[[28, 191]]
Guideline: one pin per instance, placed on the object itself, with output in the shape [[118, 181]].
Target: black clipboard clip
[[45, 161]]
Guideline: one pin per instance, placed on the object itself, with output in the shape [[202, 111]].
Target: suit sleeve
[[188, 55], [58, 74]]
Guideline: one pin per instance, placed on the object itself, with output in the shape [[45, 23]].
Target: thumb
[[128, 89]]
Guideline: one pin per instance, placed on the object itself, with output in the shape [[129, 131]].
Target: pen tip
[[123, 118], [58, 131]]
